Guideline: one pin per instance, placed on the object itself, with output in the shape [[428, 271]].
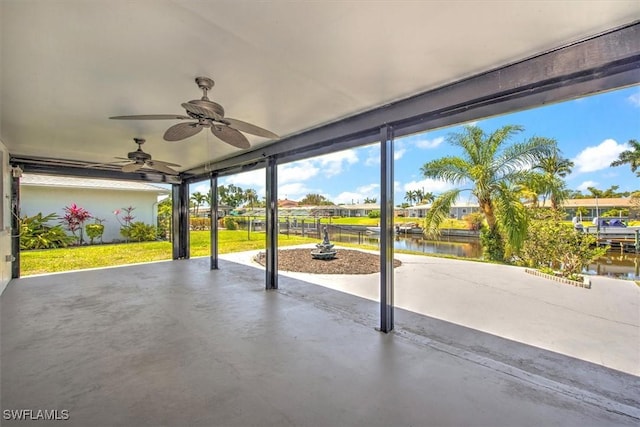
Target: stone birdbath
[[325, 249]]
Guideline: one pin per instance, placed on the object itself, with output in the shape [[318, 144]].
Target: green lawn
[[76, 258]]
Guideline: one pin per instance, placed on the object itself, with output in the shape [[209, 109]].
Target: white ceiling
[[68, 65]]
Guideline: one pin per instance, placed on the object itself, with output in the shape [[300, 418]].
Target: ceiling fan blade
[[161, 167], [181, 131], [132, 167], [166, 163], [201, 111], [152, 117], [230, 136], [249, 128]]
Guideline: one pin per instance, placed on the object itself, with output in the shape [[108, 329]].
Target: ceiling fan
[[139, 159], [207, 114]]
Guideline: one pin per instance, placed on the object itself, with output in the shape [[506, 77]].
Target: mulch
[[347, 261]]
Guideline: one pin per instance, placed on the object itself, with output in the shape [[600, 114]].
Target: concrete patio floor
[[173, 343]]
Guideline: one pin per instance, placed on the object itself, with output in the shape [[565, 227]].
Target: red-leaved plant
[[73, 220]]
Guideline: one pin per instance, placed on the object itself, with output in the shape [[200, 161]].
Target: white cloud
[[599, 157], [348, 197], [586, 184], [425, 143], [373, 156], [200, 188], [430, 185], [634, 99], [397, 154], [297, 171], [332, 164], [369, 189], [251, 179]]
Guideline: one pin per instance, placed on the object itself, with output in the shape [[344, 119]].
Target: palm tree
[[427, 197], [553, 168], [491, 167], [630, 157], [410, 196], [251, 196], [198, 200]]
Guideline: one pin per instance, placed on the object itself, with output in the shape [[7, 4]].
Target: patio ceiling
[[290, 67]]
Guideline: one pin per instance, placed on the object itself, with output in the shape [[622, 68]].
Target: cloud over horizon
[[598, 157]]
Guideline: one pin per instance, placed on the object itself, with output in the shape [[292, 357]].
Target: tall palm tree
[[198, 200], [553, 168], [630, 157], [410, 196], [251, 196], [491, 167]]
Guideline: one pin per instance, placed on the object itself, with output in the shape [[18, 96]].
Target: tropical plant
[[198, 200], [490, 167], [141, 232], [551, 243], [474, 220], [36, 233], [251, 196], [125, 220], [94, 231], [371, 200], [630, 157], [73, 220], [553, 167], [165, 213], [374, 214], [410, 197], [230, 223]]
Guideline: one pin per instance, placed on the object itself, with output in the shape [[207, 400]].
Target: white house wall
[[100, 203], [5, 222]]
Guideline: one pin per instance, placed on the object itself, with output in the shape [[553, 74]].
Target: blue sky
[[591, 131]]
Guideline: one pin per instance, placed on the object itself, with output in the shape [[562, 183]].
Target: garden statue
[[325, 249]]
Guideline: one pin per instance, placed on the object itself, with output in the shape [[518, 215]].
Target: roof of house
[[606, 202], [36, 180]]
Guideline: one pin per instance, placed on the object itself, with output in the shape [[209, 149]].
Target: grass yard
[[77, 258]]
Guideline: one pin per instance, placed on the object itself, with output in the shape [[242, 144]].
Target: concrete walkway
[[599, 325]]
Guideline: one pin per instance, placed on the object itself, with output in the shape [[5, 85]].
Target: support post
[[180, 220], [213, 215], [15, 227], [386, 229], [272, 224]]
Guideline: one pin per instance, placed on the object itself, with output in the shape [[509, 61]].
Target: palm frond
[[523, 155], [451, 169], [512, 216], [439, 211]]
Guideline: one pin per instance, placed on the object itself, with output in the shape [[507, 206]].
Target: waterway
[[613, 264]]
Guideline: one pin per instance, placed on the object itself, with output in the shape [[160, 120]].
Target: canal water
[[613, 264]]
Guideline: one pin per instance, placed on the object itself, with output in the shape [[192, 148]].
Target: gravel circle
[[347, 261]]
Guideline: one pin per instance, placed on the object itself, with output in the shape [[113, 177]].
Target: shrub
[[230, 223], [374, 214], [474, 220], [94, 231], [35, 233], [199, 224], [141, 232], [492, 244], [552, 243]]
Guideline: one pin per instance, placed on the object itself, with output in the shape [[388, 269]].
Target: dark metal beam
[[213, 213], [607, 61], [272, 224], [180, 221], [48, 166], [15, 226], [386, 229]]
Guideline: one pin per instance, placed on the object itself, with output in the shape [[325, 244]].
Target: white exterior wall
[[99, 202], [5, 222]]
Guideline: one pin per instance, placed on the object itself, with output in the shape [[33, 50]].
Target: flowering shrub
[[36, 233]]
